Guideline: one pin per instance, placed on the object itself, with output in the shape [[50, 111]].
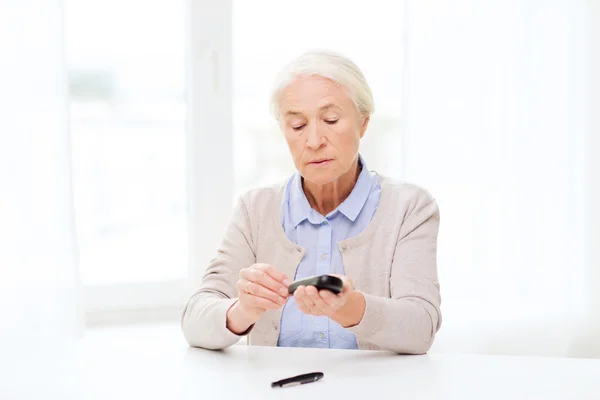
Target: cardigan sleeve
[[203, 320], [408, 321]]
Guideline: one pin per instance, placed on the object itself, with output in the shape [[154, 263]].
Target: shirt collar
[[300, 207], [355, 202]]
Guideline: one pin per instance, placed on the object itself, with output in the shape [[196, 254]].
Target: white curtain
[[498, 112], [39, 299]]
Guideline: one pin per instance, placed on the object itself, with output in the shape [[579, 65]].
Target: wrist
[[352, 312], [239, 320]]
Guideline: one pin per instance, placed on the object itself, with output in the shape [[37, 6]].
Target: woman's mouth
[[321, 162]]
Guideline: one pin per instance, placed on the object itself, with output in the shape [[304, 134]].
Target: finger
[[321, 306], [329, 298], [305, 299], [261, 277], [300, 293], [274, 273], [299, 296], [253, 289], [257, 302], [312, 293], [302, 307], [257, 290]]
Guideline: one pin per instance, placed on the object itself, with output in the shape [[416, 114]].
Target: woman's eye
[[297, 128], [331, 121]]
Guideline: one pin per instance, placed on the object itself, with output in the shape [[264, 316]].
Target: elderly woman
[[334, 217]]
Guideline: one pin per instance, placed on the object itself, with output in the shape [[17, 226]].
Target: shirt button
[[321, 335], [324, 256]]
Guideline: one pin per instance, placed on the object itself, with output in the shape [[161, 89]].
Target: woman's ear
[[365, 123]]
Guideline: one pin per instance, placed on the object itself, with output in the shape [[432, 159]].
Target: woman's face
[[322, 128]]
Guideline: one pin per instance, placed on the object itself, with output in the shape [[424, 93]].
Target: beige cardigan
[[392, 262]]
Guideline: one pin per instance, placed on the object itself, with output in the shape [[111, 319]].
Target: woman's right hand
[[260, 287]]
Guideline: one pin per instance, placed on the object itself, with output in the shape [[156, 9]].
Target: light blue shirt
[[319, 235]]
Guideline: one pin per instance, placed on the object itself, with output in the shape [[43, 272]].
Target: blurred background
[[139, 123]]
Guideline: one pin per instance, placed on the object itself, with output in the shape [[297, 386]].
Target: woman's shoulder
[[263, 197], [404, 191], [408, 203]]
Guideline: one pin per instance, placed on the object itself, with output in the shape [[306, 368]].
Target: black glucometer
[[321, 282]]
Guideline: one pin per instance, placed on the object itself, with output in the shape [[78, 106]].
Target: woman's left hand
[[314, 302]]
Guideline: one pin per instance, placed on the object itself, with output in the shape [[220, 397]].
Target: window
[[126, 65]]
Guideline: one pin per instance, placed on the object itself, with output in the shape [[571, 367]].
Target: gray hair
[[330, 65]]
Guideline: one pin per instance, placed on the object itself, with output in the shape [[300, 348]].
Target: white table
[[133, 367]]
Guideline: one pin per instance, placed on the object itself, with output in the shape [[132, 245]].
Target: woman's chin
[[321, 177]]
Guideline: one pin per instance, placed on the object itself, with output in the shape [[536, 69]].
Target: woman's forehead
[[315, 92], [316, 85], [293, 111]]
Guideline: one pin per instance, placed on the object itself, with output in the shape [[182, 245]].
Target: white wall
[[497, 128], [593, 148], [587, 343]]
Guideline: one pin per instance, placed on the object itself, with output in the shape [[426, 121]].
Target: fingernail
[[286, 282]]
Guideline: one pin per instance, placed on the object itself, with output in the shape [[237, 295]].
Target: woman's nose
[[314, 139]]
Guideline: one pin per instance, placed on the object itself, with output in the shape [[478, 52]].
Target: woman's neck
[[326, 198]]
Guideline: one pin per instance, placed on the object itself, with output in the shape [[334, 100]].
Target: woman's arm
[[408, 321], [204, 317]]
